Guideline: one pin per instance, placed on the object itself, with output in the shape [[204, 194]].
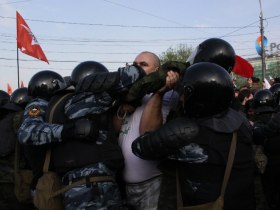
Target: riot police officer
[[9, 123], [96, 157], [198, 143], [214, 50], [81, 133], [275, 89], [263, 104], [4, 98]]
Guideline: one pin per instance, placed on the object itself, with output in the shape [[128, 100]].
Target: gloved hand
[[130, 74], [82, 129], [177, 66], [148, 84]]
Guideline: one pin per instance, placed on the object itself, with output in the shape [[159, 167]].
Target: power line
[[143, 12], [127, 26], [238, 29], [83, 40], [99, 53], [276, 16], [82, 52], [226, 35], [34, 68], [14, 2], [61, 61]]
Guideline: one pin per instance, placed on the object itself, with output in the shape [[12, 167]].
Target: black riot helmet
[[263, 101], [20, 96], [275, 90], [45, 84], [86, 68], [214, 50], [208, 90], [4, 97]]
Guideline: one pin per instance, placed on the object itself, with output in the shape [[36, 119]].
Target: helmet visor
[[190, 59]]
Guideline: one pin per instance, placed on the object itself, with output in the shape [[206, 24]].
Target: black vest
[[75, 153]]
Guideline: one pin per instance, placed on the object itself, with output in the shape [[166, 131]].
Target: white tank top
[[136, 169]]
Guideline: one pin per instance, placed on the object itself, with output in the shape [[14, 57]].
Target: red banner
[[21, 84], [242, 67], [9, 89], [27, 42]]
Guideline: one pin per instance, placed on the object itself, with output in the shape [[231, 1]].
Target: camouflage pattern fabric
[[129, 75], [148, 84], [177, 66], [116, 82], [99, 196], [260, 158], [34, 130], [85, 103], [154, 81]]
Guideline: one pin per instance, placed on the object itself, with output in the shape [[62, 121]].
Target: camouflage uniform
[[102, 195], [88, 101], [34, 130]]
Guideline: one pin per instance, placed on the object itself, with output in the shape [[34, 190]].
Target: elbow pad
[[98, 83], [166, 140], [112, 82]]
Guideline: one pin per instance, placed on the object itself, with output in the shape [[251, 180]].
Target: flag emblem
[[34, 111], [27, 42]]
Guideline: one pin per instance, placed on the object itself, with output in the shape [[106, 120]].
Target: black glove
[[177, 66], [82, 129], [130, 74], [127, 77]]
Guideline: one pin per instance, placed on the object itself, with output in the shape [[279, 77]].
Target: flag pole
[[17, 67]]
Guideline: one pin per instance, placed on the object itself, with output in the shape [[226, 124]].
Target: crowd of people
[[148, 136]]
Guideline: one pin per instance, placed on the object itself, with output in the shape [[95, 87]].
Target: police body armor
[[76, 153], [8, 137]]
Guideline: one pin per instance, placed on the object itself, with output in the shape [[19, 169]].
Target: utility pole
[[262, 43]]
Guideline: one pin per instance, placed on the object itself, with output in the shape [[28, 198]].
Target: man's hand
[[179, 67], [148, 84], [171, 80]]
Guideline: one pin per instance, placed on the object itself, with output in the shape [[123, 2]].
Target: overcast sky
[[113, 32]]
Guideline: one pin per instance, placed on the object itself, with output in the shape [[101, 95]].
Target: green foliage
[[179, 53]]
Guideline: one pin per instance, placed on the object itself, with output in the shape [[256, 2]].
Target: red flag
[[9, 89], [242, 67], [21, 84], [27, 42]]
